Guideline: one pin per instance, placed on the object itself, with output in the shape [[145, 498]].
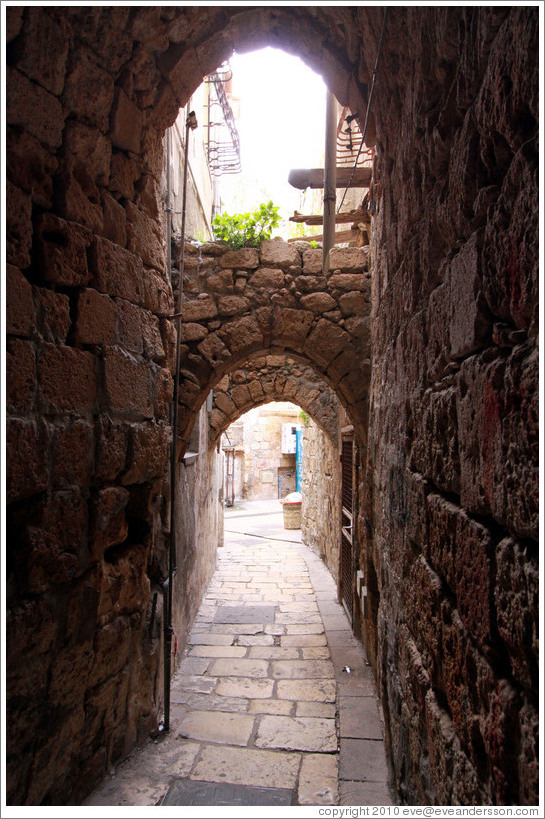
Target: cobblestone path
[[273, 691]]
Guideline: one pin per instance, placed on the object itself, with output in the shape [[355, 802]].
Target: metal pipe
[[330, 179], [191, 124]]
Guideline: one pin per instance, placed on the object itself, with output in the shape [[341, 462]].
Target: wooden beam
[[358, 215], [340, 236], [303, 178]]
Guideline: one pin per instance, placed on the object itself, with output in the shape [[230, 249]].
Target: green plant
[[304, 417], [246, 229], [313, 244]]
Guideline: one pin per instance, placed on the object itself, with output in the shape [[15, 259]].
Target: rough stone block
[[18, 226], [297, 734], [233, 305], [33, 109], [307, 690], [253, 689], [325, 342], [149, 453], [127, 384], [246, 258], [108, 524], [116, 271], [20, 375], [54, 314], [42, 49], [435, 452], [129, 326], [516, 595], [349, 282], [239, 668], [78, 199], [318, 302], [242, 334], [62, 247], [355, 303], [72, 454], [30, 166], [199, 309], [318, 780], [112, 646], [267, 278], [247, 766], [114, 224], [88, 147], [95, 105], [217, 727], [123, 174], [291, 326], [126, 121], [25, 459], [95, 318], [158, 294], [20, 313], [144, 237], [278, 253], [67, 379], [349, 259]]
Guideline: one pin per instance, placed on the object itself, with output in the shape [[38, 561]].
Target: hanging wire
[[364, 132]]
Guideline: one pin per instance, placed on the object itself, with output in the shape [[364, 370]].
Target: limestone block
[[25, 459], [318, 302], [435, 451], [307, 690], [516, 601], [112, 647], [325, 342], [267, 277], [233, 305], [242, 334], [108, 521], [30, 166], [116, 271], [239, 668], [67, 379], [95, 318], [88, 146], [126, 121], [247, 258], [158, 295], [79, 200], [278, 707], [309, 284], [220, 282], [318, 780], [349, 282], [164, 393], [291, 326], [123, 174], [151, 337], [114, 225], [348, 259], [33, 109], [278, 253], [18, 226], [297, 734], [312, 261], [250, 688], [199, 309], [149, 453], [355, 303], [301, 669], [129, 326], [20, 312], [42, 48], [247, 766], [217, 727], [54, 314], [127, 384], [20, 375], [95, 105], [214, 350], [144, 237], [72, 454]]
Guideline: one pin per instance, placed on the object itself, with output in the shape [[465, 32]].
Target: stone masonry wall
[[451, 518], [321, 490]]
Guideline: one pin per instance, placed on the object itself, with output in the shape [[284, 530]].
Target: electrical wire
[[364, 132]]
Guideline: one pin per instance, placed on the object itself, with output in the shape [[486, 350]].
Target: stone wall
[[451, 516], [321, 509]]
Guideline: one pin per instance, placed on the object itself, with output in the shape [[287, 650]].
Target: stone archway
[[453, 413]]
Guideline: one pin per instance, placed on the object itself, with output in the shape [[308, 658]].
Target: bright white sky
[[281, 126]]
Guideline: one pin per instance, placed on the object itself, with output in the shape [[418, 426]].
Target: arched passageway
[[448, 498]]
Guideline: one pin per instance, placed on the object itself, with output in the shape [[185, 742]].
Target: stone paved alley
[[263, 697]]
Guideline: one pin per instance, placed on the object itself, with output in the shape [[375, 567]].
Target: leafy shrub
[[246, 229]]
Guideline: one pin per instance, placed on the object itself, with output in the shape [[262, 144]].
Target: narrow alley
[[273, 702]]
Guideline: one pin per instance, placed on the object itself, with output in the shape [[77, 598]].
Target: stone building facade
[[430, 341]]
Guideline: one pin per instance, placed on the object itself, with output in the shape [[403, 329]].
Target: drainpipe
[[191, 124], [330, 179]]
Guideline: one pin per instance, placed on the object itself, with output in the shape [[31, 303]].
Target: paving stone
[[297, 733], [245, 687], [238, 628], [303, 640], [218, 651], [364, 793], [256, 640], [318, 780], [190, 792], [316, 653], [295, 617], [299, 606], [239, 668], [309, 628], [247, 767], [363, 760], [210, 639], [300, 669], [211, 702], [341, 637], [274, 653], [244, 614], [217, 726], [201, 685], [281, 707], [335, 622], [312, 690], [194, 666], [359, 718], [275, 629], [316, 709]]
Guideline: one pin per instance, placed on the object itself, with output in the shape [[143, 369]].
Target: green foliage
[[304, 417], [313, 244], [246, 229]]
